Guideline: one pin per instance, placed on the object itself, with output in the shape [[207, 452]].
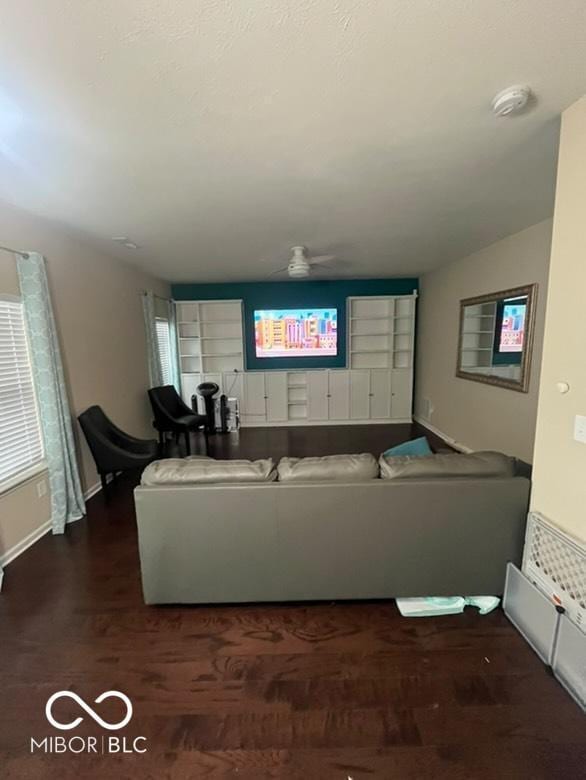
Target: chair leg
[[104, 481], [206, 439], [187, 443]]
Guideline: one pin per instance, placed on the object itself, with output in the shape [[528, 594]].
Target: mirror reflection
[[495, 337]]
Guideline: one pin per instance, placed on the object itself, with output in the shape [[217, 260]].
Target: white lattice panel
[[556, 564]]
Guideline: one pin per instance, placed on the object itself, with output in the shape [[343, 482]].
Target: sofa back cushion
[[206, 471], [329, 468], [452, 464]]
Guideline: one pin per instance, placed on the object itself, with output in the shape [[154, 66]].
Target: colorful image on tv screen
[[513, 327], [295, 332]]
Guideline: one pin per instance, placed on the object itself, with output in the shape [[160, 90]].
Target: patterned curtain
[[154, 363], [67, 503], [175, 373]]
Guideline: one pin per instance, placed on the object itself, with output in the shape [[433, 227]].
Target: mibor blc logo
[[100, 744]]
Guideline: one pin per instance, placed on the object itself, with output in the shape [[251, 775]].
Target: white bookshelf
[[381, 332], [210, 336]]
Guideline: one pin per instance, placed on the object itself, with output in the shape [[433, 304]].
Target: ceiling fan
[[301, 263]]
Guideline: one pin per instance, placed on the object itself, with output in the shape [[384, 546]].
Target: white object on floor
[[549, 629], [428, 606]]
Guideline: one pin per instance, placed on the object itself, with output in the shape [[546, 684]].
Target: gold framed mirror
[[496, 338]]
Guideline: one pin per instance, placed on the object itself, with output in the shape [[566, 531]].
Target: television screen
[[512, 330], [295, 332]]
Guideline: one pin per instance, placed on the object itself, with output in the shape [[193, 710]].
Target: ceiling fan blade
[[322, 268], [319, 259], [278, 271]]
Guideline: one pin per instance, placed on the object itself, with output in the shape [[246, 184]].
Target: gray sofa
[[293, 541]]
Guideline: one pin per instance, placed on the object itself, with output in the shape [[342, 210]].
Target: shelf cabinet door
[[401, 394], [276, 396], [339, 395], [380, 395], [254, 401], [359, 394], [317, 395]]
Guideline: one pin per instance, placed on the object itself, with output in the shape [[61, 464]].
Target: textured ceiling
[[218, 134]]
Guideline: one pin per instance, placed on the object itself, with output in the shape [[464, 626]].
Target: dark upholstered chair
[[114, 450], [173, 416]]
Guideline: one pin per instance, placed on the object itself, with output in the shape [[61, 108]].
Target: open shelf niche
[[297, 395], [381, 332]]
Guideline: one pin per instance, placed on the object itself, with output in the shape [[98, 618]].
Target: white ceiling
[[215, 133]]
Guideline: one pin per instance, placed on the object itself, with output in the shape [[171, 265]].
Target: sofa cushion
[[453, 464], [205, 471], [329, 468], [415, 448]]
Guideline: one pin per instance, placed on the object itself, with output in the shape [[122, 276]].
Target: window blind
[[164, 345], [20, 436]]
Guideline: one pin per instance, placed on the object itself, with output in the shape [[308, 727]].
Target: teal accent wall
[[321, 294]]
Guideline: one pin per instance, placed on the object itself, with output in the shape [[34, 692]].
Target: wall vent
[[556, 564]]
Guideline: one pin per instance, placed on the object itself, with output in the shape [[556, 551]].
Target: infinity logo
[[89, 710]]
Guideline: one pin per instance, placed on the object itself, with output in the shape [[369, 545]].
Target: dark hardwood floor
[[284, 691], [304, 441]]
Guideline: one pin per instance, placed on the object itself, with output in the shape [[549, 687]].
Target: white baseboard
[[25, 543], [448, 439], [91, 491], [304, 423], [39, 532]]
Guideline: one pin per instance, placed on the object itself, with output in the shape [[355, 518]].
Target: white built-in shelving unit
[[381, 332], [210, 336], [210, 343], [375, 386]]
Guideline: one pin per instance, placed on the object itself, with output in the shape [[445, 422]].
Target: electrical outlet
[[41, 488], [580, 428]]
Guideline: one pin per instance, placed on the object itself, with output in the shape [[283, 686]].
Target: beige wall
[[477, 415], [559, 488], [99, 317]]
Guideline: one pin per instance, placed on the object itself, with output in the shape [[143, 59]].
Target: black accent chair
[[174, 416], [114, 450]]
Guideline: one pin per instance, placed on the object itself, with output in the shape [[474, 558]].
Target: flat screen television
[[285, 333], [510, 329]]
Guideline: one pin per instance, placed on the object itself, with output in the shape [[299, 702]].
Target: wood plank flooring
[[266, 691]]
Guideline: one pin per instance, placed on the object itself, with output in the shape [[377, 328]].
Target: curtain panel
[[153, 359], [154, 306], [67, 502]]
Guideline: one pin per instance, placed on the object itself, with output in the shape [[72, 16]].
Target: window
[[164, 345], [21, 445]]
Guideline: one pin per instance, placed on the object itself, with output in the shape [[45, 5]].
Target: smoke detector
[[510, 101]]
